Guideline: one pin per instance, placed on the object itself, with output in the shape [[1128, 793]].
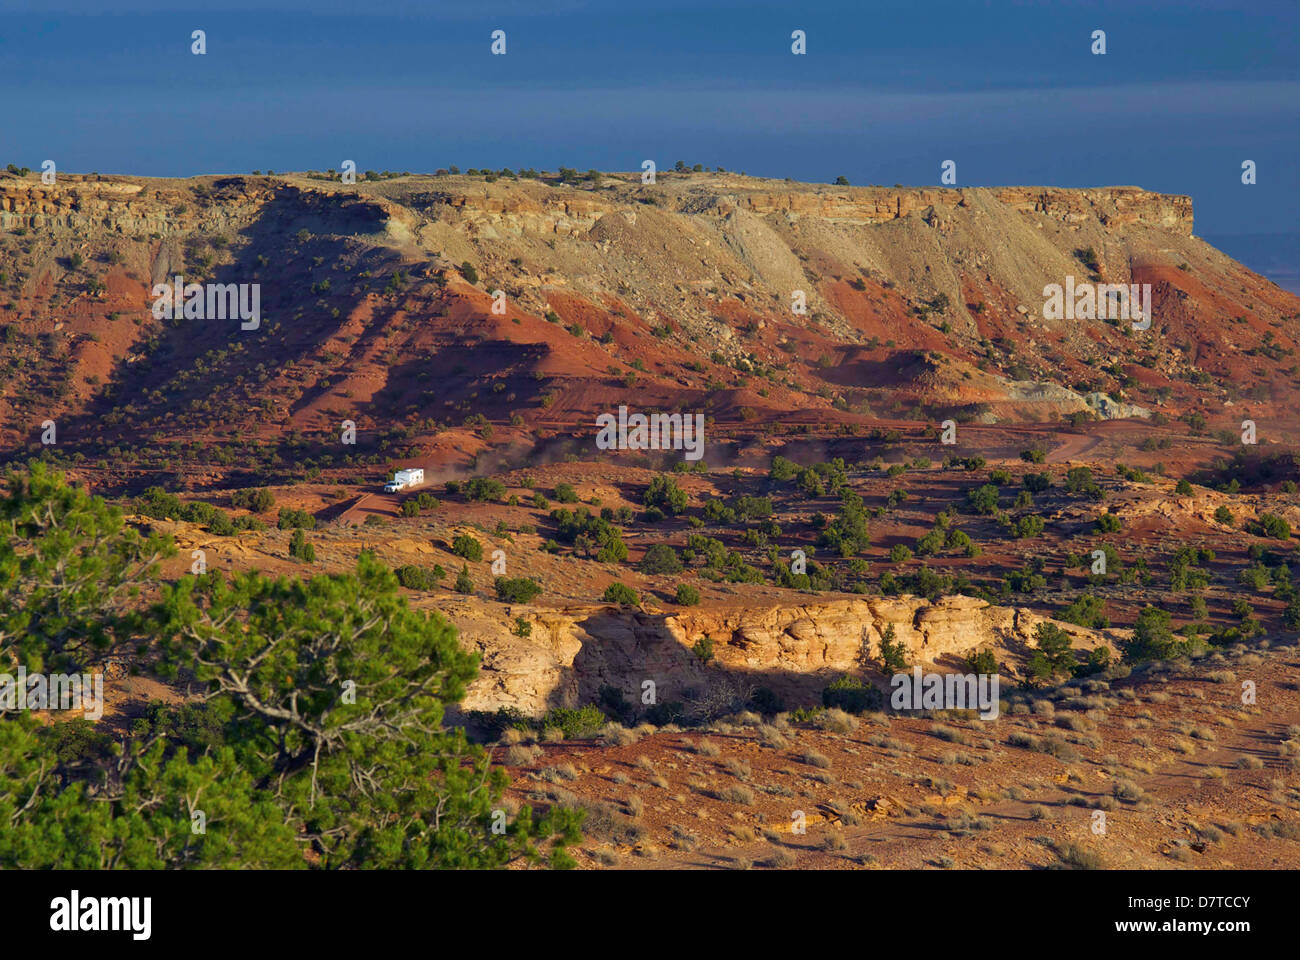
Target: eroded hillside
[[376, 307]]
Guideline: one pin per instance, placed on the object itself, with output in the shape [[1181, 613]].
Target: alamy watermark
[[56, 691], [658, 431], [75, 913], [1098, 301], [209, 301], [946, 691]]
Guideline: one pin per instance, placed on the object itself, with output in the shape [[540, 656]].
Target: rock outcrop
[[85, 201], [793, 649], [1113, 206]]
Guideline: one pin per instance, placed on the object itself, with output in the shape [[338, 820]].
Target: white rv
[[403, 479]]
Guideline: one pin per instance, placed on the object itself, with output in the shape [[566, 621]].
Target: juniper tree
[[71, 573], [314, 718], [73, 796], [334, 690], [1055, 654]]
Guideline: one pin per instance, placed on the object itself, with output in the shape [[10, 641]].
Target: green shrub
[[1080, 480], [1291, 615], [1037, 482], [161, 505], [418, 578], [783, 469], [983, 500], [666, 712], [517, 590], [960, 540], [660, 558], [256, 500], [766, 701], [1027, 527], [1109, 523], [931, 543], [1271, 525], [851, 695], [483, 488], [576, 723], [467, 547], [622, 594], [892, 651], [300, 548], [1054, 654], [1152, 637], [591, 534], [664, 494], [300, 519], [753, 508], [1086, 611], [687, 596], [847, 534], [1255, 576]]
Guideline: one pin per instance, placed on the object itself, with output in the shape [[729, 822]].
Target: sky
[[887, 91]]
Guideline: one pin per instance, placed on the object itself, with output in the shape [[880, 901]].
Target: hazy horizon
[[1011, 92]]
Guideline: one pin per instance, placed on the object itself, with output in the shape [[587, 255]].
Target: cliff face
[[170, 208], [1112, 206], [79, 203], [527, 212], [793, 649]]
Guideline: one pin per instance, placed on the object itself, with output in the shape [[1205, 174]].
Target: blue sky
[[887, 91]]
